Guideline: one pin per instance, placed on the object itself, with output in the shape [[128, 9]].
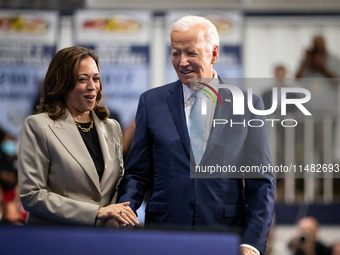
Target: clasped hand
[[117, 215]]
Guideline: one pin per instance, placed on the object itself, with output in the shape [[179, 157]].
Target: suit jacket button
[[97, 198], [191, 204]]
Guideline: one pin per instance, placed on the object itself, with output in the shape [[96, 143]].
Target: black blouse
[[91, 141]]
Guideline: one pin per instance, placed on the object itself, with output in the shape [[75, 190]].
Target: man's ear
[[214, 54]]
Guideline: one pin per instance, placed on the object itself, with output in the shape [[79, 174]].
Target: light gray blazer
[[58, 181]]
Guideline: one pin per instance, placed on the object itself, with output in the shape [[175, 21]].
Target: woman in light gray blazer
[[70, 155]]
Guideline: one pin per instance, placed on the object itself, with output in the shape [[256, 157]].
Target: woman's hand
[[121, 212]]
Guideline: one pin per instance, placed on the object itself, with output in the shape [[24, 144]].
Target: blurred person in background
[[319, 72], [13, 213], [70, 156], [10, 204], [160, 160], [306, 242], [279, 81], [8, 160], [128, 133], [318, 62]]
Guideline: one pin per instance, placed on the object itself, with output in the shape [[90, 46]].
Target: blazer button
[[97, 198], [191, 204]]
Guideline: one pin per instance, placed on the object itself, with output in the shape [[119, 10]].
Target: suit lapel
[[221, 112], [104, 140], [175, 102], [67, 133]]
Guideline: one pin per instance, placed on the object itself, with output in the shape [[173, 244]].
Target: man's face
[[280, 72], [191, 56], [309, 226]]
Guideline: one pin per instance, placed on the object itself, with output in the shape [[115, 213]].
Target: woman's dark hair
[[61, 78]]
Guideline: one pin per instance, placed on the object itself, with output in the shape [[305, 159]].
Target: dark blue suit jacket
[[159, 160]]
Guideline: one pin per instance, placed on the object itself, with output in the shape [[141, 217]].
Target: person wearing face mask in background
[[11, 209]]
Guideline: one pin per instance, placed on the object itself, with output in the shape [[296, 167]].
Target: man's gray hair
[[187, 22]]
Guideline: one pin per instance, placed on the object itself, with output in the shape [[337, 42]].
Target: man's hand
[[113, 223], [247, 251]]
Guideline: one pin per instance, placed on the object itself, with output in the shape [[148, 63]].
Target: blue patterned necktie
[[196, 127]]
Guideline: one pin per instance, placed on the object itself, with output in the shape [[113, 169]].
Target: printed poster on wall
[[122, 41], [229, 26], [27, 45]]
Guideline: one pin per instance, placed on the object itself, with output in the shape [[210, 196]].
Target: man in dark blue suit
[[161, 156]]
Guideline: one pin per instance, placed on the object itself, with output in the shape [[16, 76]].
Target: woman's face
[[82, 98]]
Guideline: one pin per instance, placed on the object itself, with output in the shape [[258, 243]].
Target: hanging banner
[[229, 26], [27, 45], [122, 41]]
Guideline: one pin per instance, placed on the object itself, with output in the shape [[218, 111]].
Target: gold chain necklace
[[85, 130]]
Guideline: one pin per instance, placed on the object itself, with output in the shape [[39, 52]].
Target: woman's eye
[[96, 79], [82, 80]]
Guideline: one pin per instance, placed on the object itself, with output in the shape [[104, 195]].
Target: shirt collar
[[187, 92]]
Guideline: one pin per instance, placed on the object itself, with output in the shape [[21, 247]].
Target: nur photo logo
[[238, 103]]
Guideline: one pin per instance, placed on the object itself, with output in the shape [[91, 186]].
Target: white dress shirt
[[208, 118]]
